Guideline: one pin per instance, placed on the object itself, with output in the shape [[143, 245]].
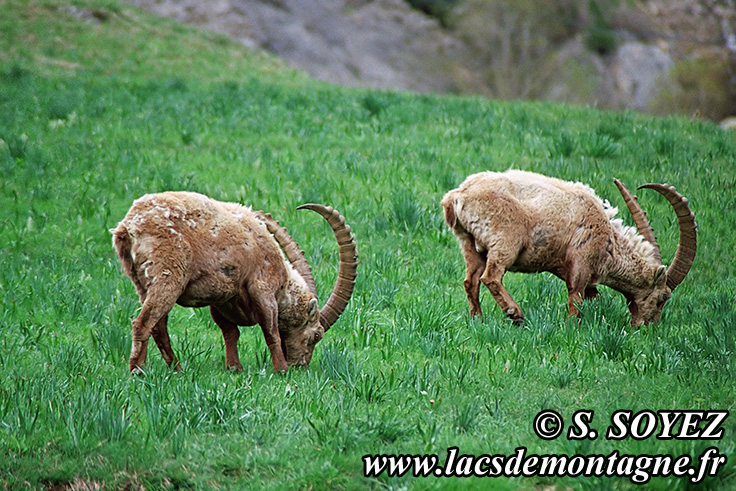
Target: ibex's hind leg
[[475, 264], [230, 333], [492, 278], [160, 299], [161, 337]]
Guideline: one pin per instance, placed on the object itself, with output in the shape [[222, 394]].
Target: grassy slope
[[95, 113]]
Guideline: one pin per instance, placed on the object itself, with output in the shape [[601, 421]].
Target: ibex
[[527, 222], [186, 248]]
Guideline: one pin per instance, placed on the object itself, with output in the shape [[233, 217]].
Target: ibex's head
[[302, 328], [646, 305]]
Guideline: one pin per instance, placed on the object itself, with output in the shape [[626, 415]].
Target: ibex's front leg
[[273, 341], [266, 310], [577, 281], [230, 333]]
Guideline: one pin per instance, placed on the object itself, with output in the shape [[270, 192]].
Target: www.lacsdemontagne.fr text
[[549, 425], [638, 468]]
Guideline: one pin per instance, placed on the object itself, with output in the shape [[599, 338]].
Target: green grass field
[[101, 103]]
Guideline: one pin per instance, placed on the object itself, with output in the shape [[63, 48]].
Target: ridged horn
[[348, 269], [640, 218], [687, 244], [290, 248]]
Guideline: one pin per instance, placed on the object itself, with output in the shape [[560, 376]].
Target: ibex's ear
[[660, 276], [312, 309]]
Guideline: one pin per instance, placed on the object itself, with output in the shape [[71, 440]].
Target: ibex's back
[[528, 221], [211, 244], [522, 221]]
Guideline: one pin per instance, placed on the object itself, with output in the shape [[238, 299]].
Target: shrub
[[702, 88], [439, 9]]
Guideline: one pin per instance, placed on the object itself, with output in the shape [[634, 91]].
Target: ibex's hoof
[[515, 316]]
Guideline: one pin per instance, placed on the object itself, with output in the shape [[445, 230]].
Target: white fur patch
[[631, 235]]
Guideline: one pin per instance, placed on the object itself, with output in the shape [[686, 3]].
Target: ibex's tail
[[123, 243], [448, 204]]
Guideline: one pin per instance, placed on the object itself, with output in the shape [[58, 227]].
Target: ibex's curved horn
[[347, 270], [290, 248], [640, 218], [687, 244]]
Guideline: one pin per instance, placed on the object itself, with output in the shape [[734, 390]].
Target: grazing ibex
[[527, 222], [185, 248]]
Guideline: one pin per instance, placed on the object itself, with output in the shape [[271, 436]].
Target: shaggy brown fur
[[527, 222], [185, 248]]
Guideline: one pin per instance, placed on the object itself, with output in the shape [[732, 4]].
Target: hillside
[[101, 103], [674, 57]]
